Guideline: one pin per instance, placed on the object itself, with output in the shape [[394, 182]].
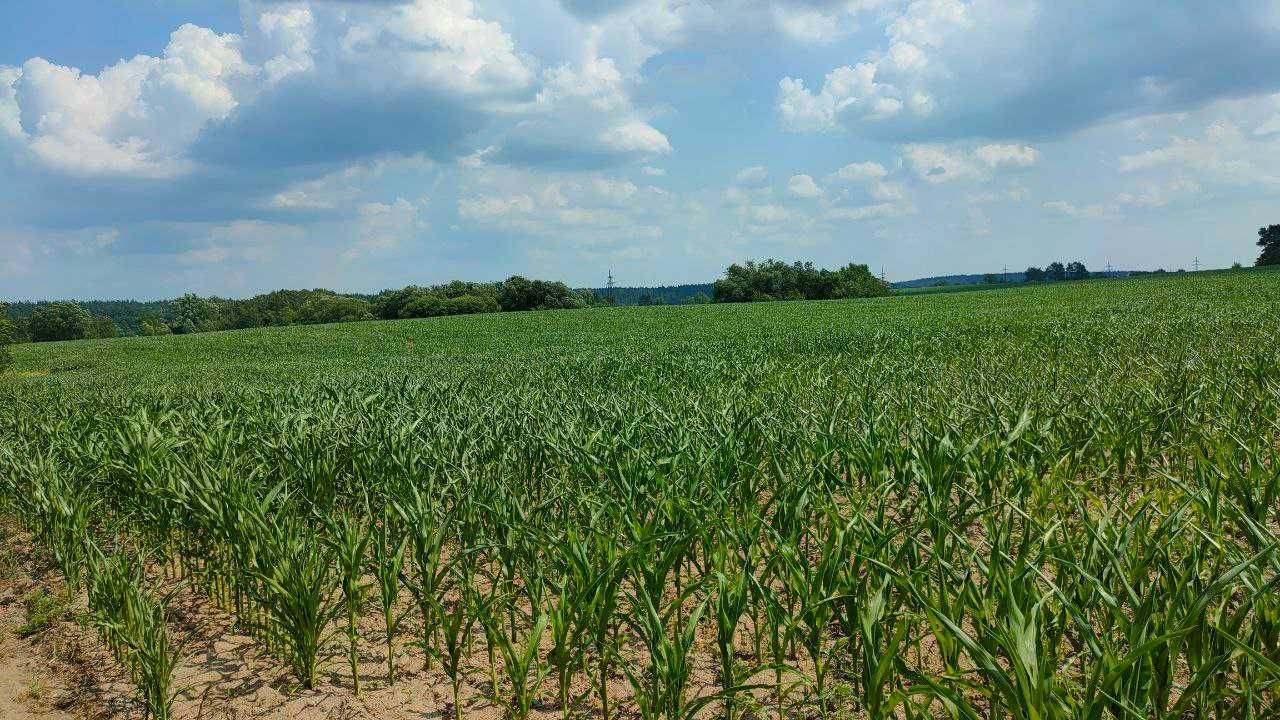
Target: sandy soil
[[66, 672]]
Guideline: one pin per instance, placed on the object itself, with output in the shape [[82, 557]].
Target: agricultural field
[[1045, 502]]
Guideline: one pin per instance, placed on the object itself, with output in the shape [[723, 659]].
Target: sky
[[150, 148]]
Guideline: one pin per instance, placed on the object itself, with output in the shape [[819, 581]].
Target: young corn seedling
[[389, 547], [349, 540]]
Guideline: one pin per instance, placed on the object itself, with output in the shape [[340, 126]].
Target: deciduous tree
[[1269, 241]]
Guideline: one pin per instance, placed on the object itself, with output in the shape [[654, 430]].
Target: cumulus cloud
[[579, 209], [136, 117], [299, 78], [803, 186], [935, 163], [1222, 153], [583, 117], [870, 175], [1008, 69], [846, 92]]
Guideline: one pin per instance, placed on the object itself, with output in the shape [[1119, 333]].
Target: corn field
[[1039, 503]]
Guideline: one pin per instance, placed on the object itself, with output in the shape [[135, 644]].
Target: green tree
[[152, 323], [1269, 241], [698, 298], [192, 313], [990, 279], [520, 293], [1077, 271], [325, 307], [1055, 271], [101, 327], [777, 280], [1035, 274], [59, 321], [7, 333]]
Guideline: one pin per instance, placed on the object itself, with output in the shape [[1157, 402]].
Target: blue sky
[[154, 147]]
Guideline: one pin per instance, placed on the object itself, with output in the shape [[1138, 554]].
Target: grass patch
[[43, 608]]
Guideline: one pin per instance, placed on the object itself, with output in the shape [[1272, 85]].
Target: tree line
[[1057, 272], [748, 282], [50, 321], [778, 280]]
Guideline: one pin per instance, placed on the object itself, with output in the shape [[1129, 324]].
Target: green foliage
[[1269, 241], [1057, 272], [59, 321], [455, 298], [519, 293], [152, 323], [776, 280], [42, 608], [101, 327], [293, 307], [332, 308], [192, 313], [126, 314], [8, 333]]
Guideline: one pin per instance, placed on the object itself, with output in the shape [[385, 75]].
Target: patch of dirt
[[28, 690]]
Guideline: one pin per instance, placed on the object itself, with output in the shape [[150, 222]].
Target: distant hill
[[665, 294], [978, 278]]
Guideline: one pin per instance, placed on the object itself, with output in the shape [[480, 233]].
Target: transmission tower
[[1196, 263], [609, 289]]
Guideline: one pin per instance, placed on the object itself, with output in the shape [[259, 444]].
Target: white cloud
[[1223, 154], [241, 241], [1160, 194], [1007, 154], [287, 36], [636, 136], [448, 46], [944, 163], [484, 207], [870, 175], [597, 82], [859, 172], [140, 117], [867, 212], [848, 91], [136, 117], [382, 228], [753, 176], [803, 186], [1088, 212]]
